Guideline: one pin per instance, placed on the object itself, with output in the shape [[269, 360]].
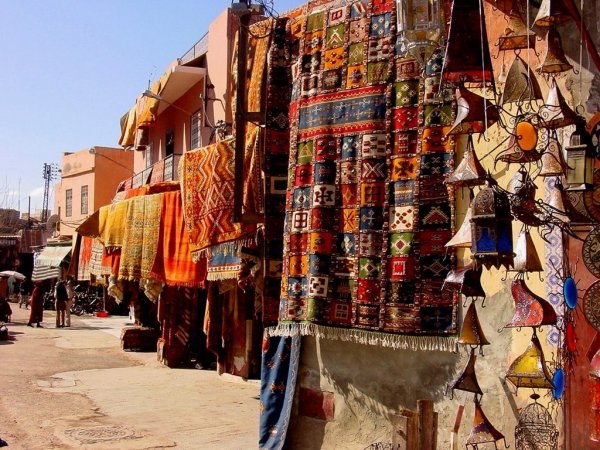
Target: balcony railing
[[199, 49], [163, 170]]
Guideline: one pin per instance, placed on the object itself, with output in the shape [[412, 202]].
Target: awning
[[175, 82], [46, 265]]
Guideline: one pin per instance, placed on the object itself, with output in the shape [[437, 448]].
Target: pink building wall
[[101, 169]]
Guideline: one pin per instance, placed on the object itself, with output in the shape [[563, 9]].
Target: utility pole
[[49, 173]]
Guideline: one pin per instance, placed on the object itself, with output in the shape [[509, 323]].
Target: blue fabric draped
[[278, 382]]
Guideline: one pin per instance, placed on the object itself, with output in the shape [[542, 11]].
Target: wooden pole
[[240, 113], [426, 423]]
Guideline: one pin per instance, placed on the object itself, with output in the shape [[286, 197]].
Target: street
[[66, 388]]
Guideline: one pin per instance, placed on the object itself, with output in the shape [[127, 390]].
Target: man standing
[[61, 297]]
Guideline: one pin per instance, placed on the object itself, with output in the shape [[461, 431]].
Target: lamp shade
[[465, 280], [469, 171], [482, 431], [471, 332], [467, 379], [521, 85], [526, 256], [467, 53], [530, 309], [474, 114], [529, 369]]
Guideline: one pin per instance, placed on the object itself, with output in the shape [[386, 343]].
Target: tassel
[[395, 341]]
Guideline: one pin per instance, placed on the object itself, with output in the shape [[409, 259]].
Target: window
[[170, 143], [196, 130], [84, 199], [68, 202], [149, 155]]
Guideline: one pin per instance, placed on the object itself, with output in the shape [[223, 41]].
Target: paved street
[[75, 388]]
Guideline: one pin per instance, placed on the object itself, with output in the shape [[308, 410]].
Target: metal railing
[[163, 170], [198, 49]]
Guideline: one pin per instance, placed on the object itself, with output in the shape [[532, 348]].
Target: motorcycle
[[84, 303]]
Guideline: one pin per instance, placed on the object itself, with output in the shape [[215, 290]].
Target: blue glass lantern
[[491, 228]]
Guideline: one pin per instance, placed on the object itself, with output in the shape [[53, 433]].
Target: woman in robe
[[37, 305]]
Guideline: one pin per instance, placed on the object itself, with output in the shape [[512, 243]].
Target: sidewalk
[[144, 404]]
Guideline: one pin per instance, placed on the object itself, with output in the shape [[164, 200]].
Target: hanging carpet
[[367, 211]]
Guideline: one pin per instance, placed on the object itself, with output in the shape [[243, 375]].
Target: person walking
[[71, 297], [37, 305], [61, 297]]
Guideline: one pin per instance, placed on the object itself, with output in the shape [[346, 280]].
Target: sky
[[72, 68]]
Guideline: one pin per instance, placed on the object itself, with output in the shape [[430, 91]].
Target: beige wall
[[101, 172]]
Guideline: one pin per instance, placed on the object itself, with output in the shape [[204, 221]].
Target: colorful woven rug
[[208, 193], [173, 263], [111, 224], [367, 212], [140, 237]]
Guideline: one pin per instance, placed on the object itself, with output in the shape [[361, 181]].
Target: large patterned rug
[[367, 212]]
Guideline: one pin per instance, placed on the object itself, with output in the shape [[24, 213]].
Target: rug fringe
[[367, 337], [226, 248]]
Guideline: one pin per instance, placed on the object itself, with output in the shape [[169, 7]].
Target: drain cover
[[93, 435]]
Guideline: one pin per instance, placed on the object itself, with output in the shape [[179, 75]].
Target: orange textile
[[173, 263], [208, 184]]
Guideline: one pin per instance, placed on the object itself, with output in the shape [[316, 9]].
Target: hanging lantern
[[595, 400], [535, 428], [491, 228], [516, 34], [482, 431], [553, 162], [471, 332], [555, 112], [580, 160], [462, 238], [419, 27], [529, 369], [551, 12], [467, 379], [526, 257], [521, 85], [469, 171], [466, 281], [522, 202], [474, 113], [530, 309], [555, 60], [467, 31]]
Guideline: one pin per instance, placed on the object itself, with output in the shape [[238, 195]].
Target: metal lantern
[[491, 228], [469, 171], [462, 238], [474, 113], [530, 309], [483, 431], [521, 85], [580, 160], [555, 60], [529, 369], [465, 280], [526, 256], [522, 202], [555, 112], [419, 27], [551, 12], [467, 53], [467, 379], [535, 429], [471, 332], [516, 35]]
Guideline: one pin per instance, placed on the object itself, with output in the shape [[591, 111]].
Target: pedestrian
[[37, 305], [61, 297], [5, 310], [71, 296]]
